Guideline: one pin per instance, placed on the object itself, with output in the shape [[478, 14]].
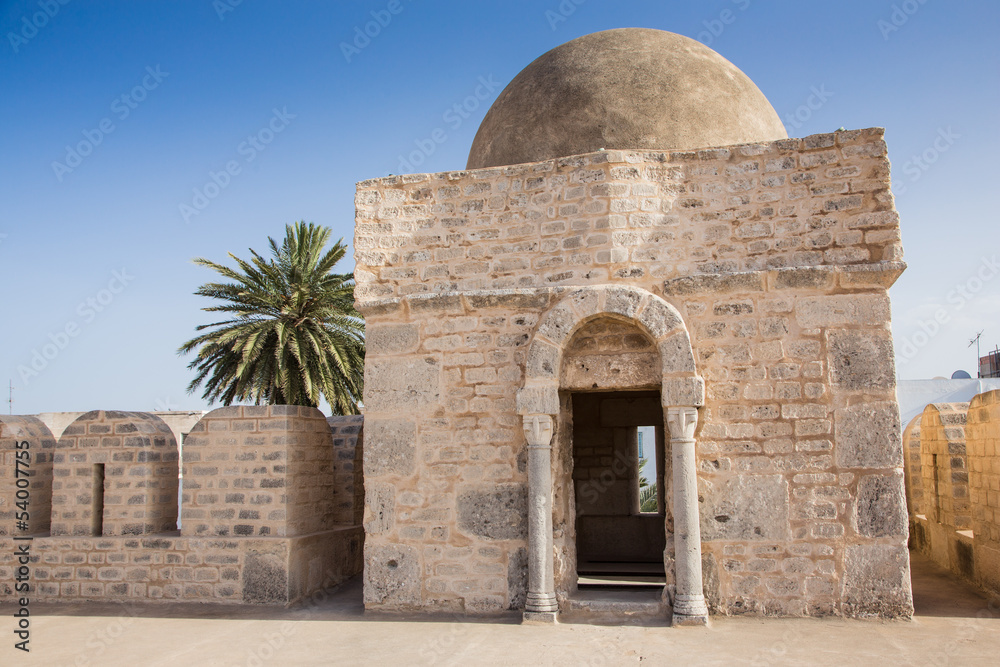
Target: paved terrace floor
[[953, 625]]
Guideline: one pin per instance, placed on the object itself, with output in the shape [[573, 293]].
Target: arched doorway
[[647, 350]]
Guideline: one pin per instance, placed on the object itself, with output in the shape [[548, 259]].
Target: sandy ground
[[953, 625]]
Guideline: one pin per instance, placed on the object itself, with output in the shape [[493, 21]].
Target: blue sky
[[116, 116]]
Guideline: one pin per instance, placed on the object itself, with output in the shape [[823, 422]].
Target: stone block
[[380, 506], [540, 399], [391, 576], [861, 360], [880, 509], [498, 513], [265, 578], [877, 581], [659, 318], [746, 507], [517, 578], [867, 435], [842, 309], [402, 383], [391, 338], [676, 355], [390, 447], [682, 391]]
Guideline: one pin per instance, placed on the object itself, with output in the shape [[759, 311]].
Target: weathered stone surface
[[861, 360], [659, 317], [400, 383], [392, 575], [747, 507], [391, 338], [264, 579], [543, 360], [676, 355], [636, 370], [877, 581], [683, 391], [751, 281], [390, 447], [881, 506], [517, 578], [842, 309], [495, 514], [868, 435], [380, 505], [540, 399], [558, 323]]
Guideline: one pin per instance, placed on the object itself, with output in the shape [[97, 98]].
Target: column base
[[690, 610], [679, 620], [540, 617]]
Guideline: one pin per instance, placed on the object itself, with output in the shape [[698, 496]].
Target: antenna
[[10, 398], [979, 370]]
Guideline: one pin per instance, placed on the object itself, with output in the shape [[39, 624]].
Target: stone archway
[[682, 392]]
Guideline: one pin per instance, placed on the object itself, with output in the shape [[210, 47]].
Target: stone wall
[[983, 450], [912, 468], [115, 473], [777, 256], [955, 506], [348, 473], [26, 439], [227, 570], [265, 518], [239, 465]]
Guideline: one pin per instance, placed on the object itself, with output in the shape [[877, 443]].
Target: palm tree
[[293, 335]]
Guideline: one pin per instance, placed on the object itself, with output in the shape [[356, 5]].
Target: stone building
[[635, 243], [635, 246]]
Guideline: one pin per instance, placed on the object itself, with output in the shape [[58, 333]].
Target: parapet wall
[[955, 493], [26, 444], [115, 473], [264, 519]]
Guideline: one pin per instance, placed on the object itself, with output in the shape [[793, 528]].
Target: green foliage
[[293, 335], [647, 497]]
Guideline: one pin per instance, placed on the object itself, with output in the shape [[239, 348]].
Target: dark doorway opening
[[621, 516]]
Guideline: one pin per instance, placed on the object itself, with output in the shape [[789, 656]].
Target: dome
[[629, 88]]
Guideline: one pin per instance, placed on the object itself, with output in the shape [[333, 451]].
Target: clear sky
[[119, 119]]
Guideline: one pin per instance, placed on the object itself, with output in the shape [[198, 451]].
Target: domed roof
[[629, 88]]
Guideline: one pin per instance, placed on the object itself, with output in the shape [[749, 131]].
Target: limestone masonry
[[650, 364], [746, 284]]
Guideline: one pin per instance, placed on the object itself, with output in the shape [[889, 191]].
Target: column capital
[[682, 422], [538, 429]]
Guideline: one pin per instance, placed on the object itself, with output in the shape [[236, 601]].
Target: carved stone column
[[541, 604], [689, 598]]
